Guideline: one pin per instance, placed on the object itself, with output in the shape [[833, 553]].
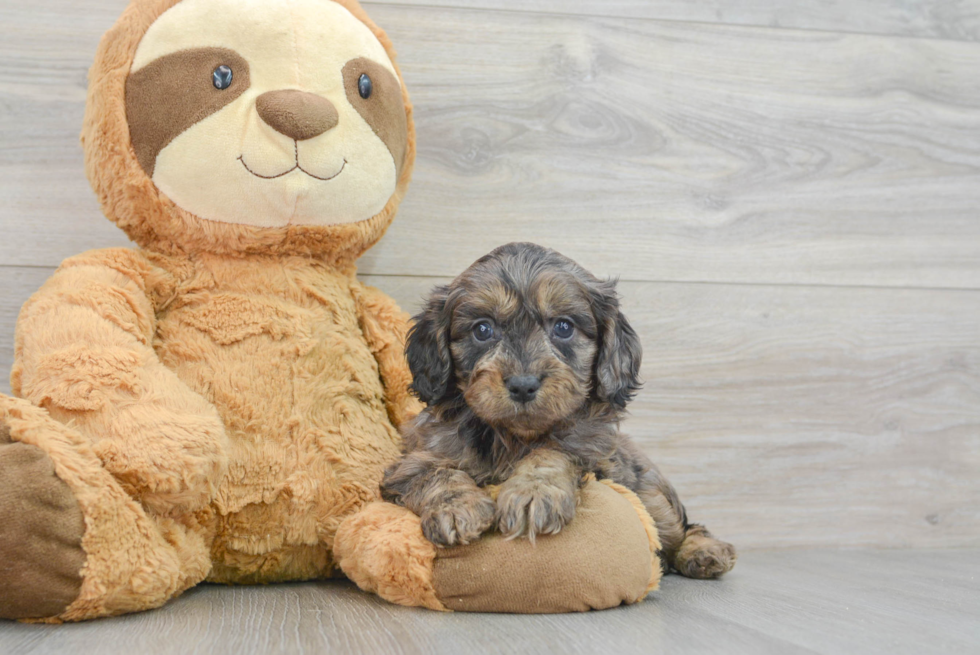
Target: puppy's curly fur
[[526, 364]]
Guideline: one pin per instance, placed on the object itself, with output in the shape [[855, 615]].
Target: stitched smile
[[296, 167]]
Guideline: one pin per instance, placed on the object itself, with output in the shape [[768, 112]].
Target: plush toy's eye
[[563, 329], [483, 331], [221, 77], [365, 86]]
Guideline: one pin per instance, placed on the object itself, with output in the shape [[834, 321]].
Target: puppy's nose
[[297, 114], [523, 387]]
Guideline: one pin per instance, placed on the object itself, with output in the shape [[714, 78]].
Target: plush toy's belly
[[280, 353]]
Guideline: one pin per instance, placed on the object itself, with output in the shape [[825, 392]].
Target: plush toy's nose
[[297, 114]]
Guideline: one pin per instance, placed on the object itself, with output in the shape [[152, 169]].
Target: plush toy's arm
[[385, 327], [84, 352]]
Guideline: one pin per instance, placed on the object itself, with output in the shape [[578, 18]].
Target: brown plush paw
[[459, 521], [41, 528], [531, 506], [702, 556]]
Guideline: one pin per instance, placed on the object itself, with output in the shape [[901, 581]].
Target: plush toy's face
[[267, 113]]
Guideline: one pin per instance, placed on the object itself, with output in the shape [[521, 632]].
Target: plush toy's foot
[[702, 556], [73, 544], [40, 537], [605, 557]]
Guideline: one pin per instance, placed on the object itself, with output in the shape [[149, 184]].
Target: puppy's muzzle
[[523, 388]]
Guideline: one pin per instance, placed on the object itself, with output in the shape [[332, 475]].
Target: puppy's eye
[[563, 329], [365, 86], [221, 77], [483, 331]]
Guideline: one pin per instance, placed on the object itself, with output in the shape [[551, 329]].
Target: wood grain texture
[[656, 150], [942, 19], [779, 603], [47, 209], [788, 416]]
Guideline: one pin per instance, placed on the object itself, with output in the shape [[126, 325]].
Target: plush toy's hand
[[167, 459], [459, 521], [603, 558], [84, 353]]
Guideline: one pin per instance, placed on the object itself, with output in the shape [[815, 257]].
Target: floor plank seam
[[627, 280], [676, 21]]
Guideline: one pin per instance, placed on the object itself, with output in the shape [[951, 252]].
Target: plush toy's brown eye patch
[[379, 102], [176, 91]]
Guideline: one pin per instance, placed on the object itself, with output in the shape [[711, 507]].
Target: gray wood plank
[[831, 602], [656, 150], [788, 416], [959, 20], [47, 210], [692, 152]]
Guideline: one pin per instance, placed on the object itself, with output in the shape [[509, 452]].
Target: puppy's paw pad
[[532, 508], [460, 521]]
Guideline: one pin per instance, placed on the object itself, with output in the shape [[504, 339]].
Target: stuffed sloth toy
[[220, 403]]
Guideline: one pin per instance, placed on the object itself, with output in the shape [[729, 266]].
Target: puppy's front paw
[[532, 506], [459, 521]]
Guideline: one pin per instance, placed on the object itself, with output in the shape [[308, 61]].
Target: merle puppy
[[526, 364]]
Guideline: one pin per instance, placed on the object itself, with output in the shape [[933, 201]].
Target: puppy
[[526, 365]]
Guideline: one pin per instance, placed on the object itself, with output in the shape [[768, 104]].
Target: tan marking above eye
[[556, 296], [384, 109], [174, 92]]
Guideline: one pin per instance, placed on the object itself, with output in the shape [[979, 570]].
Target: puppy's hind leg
[[702, 556], [688, 548]]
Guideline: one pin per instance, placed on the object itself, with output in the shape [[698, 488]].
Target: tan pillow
[[604, 558]]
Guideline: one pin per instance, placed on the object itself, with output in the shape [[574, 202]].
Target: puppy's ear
[[617, 363], [427, 349]]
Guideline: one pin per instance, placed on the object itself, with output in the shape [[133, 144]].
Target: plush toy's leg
[[73, 544], [603, 558]]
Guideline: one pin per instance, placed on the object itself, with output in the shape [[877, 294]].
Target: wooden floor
[[833, 602]]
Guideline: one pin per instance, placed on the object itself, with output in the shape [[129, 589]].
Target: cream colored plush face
[[231, 165]]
